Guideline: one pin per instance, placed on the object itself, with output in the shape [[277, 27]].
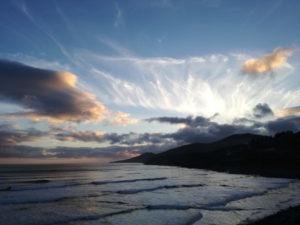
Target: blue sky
[[127, 69], [149, 28]]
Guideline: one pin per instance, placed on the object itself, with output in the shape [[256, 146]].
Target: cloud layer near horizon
[[268, 63], [101, 154], [196, 129], [12, 136], [291, 111]]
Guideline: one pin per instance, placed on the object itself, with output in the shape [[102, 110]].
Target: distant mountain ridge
[[277, 156], [143, 158]]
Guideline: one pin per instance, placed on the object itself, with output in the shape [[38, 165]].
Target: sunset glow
[[98, 81]]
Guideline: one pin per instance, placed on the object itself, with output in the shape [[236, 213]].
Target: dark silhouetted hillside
[[146, 157], [277, 156]]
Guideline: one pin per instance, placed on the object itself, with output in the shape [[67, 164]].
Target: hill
[[277, 156], [143, 158]]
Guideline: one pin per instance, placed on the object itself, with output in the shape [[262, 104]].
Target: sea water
[[137, 194]]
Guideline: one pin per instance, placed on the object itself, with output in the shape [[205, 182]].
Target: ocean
[[121, 193]]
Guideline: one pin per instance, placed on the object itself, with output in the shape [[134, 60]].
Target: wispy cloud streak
[[202, 85]]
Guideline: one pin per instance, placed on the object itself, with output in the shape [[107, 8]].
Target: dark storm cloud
[[47, 94], [262, 110]]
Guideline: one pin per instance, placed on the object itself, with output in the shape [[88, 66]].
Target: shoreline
[[288, 216], [290, 173]]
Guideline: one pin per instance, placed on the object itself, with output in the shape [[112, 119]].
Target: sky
[[96, 81]]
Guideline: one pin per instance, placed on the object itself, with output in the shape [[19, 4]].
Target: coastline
[[245, 154], [289, 216], [291, 173], [249, 154]]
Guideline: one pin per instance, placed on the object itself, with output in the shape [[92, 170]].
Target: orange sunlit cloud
[[268, 62]]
